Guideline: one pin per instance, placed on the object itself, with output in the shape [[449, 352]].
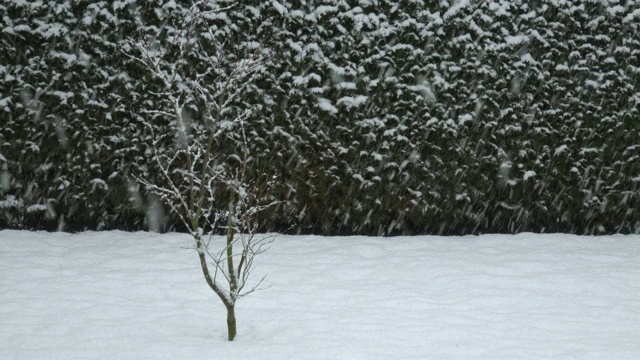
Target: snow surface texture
[[141, 295]]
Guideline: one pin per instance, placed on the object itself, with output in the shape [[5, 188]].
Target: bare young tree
[[194, 70]]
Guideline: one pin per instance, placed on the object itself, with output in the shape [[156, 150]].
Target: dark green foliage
[[375, 117]]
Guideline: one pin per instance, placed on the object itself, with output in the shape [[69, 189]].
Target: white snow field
[[118, 295]]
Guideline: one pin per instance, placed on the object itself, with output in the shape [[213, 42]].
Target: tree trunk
[[231, 322]]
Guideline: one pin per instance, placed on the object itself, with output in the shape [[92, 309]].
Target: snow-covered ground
[[117, 295]]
